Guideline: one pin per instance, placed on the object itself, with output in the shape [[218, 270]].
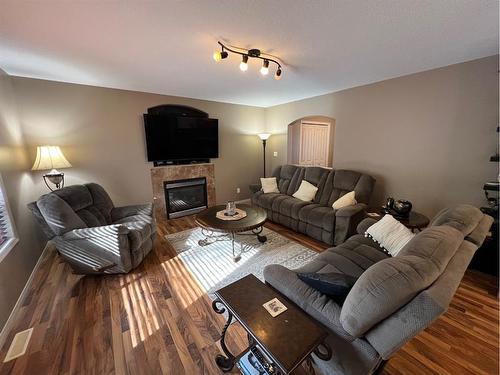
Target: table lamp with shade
[[264, 137], [50, 158]]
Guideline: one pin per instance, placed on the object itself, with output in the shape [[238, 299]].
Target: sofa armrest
[[365, 224], [254, 188], [314, 303], [346, 221], [113, 230], [118, 213], [104, 249], [351, 210]]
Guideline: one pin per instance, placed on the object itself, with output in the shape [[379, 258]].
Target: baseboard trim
[[7, 326]]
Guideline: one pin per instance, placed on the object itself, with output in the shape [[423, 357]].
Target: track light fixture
[[245, 54], [265, 68], [244, 63], [219, 55], [277, 76]]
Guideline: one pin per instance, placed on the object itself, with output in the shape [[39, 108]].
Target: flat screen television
[[181, 138]]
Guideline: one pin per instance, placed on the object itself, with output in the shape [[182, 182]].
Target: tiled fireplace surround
[[180, 172]]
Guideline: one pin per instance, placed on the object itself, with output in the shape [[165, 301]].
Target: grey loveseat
[[317, 219], [93, 235], [394, 298]]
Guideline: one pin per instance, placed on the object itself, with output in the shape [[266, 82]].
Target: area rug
[[213, 266]]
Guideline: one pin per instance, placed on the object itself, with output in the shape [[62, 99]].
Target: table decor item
[[274, 307], [230, 208], [238, 215]]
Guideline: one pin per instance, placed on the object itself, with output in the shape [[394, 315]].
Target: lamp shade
[[264, 136], [49, 157]]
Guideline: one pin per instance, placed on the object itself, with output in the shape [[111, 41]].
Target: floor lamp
[[264, 137]]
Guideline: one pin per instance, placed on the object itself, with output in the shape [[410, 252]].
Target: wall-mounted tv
[[171, 138]]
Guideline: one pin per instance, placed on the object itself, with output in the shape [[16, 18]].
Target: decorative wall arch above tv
[[177, 111]]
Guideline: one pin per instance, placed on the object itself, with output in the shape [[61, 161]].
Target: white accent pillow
[[306, 191], [345, 200], [390, 234], [269, 185]]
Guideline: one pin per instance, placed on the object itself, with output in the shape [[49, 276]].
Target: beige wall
[[426, 137], [101, 132], [16, 267]]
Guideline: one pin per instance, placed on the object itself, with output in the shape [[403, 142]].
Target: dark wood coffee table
[[215, 229], [288, 339]]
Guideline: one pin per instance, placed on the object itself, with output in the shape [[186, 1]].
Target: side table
[[415, 221]]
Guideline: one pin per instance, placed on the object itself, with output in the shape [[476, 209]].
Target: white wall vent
[[19, 345]]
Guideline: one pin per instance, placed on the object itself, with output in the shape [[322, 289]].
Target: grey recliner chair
[[93, 235], [394, 298]]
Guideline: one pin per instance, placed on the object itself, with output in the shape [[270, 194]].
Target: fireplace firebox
[[185, 197]]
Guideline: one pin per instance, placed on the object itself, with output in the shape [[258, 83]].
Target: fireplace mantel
[[179, 172]]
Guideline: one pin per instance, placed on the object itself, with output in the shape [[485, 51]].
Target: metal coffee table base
[[213, 236]]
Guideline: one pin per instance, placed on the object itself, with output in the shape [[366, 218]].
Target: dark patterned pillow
[[334, 285]]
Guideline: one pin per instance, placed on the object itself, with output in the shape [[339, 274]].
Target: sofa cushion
[[343, 181], [322, 217], [58, 214], [305, 212], [284, 175], [266, 200], [76, 196], [306, 191], [90, 202], [348, 199], [333, 284], [92, 216], [390, 234], [132, 218], [352, 258], [288, 206], [464, 218], [389, 284], [269, 185], [101, 200], [319, 306]]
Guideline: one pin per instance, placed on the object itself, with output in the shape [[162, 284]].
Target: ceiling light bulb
[[265, 68], [244, 63], [219, 55], [277, 76]]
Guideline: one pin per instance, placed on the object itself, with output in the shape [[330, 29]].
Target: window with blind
[[7, 232]]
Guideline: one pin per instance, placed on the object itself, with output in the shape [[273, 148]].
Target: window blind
[[5, 224]]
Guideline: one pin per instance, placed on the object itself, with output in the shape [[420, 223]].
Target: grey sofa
[[394, 298], [93, 235], [317, 219]]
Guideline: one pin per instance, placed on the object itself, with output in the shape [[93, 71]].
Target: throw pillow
[[269, 185], [334, 285], [345, 200], [390, 234], [306, 191]]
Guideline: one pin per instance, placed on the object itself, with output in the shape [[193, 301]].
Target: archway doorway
[[311, 141]]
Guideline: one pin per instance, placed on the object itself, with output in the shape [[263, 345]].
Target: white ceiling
[[166, 46]]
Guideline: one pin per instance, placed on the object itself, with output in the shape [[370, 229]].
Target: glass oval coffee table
[[215, 229]]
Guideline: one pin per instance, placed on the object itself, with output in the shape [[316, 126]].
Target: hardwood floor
[[157, 320]]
